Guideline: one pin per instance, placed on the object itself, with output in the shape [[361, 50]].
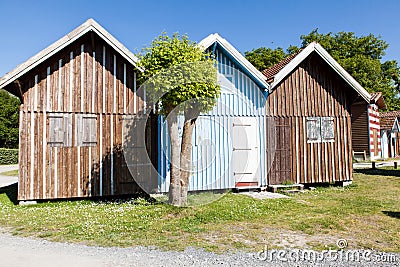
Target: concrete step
[[274, 188]]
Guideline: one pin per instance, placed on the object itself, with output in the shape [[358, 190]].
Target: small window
[[86, 130], [320, 129], [60, 129]]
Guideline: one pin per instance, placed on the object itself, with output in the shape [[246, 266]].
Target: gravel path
[[32, 252], [7, 180], [21, 251]]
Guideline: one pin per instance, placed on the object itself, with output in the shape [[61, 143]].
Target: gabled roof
[[377, 98], [388, 119], [216, 38], [292, 63], [89, 25]]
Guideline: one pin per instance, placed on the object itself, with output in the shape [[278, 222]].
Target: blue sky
[[27, 27]]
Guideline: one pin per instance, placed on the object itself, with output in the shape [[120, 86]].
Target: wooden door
[[279, 148], [245, 156], [375, 136]]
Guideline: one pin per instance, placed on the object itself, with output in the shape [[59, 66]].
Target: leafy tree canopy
[[9, 113], [361, 56], [181, 79], [178, 74]]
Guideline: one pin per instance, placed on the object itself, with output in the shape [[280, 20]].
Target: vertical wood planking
[[134, 94], [71, 80], [59, 88], [124, 88], [82, 76], [114, 84], [94, 85]]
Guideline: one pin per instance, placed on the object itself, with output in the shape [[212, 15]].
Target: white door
[[245, 155]]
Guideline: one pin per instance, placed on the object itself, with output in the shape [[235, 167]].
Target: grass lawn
[[366, 214], [10, 173]]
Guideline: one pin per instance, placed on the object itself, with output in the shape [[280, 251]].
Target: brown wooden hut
[[309, 103], [365, 125], [75, 95]]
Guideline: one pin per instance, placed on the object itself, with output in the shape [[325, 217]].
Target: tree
[[263, 58], [182, 80], [361, 57], [9, 114]]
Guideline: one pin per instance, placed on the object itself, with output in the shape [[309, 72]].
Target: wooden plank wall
[[359, 127], [80, 79], [313, 89]]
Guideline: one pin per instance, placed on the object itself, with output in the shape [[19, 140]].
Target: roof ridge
[[89, 25]]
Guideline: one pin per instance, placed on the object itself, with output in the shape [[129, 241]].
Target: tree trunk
[[186, 154], [175, 184]]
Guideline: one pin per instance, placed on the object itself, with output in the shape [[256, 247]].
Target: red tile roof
[[275, 69], [390, 114], [387, 119]]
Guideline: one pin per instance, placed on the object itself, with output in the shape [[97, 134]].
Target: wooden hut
[[229, 141], [75, 95], [365, 127], [390, 134], [310, 100]]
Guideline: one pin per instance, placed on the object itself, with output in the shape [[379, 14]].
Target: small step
[[274, 188]]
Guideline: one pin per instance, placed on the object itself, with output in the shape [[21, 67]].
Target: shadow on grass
[[394, 214], [11, 191], [381, 172]]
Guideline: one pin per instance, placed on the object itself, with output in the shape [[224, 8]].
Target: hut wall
[[359, 127], [71, 123], [312, 91], [219, 159]]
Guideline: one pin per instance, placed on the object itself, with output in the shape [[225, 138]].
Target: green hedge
[[8, 156]]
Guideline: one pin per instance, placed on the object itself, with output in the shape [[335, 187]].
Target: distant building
[[390, 134]]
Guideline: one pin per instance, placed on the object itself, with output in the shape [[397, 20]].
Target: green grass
[[10, 173], [367, 214]]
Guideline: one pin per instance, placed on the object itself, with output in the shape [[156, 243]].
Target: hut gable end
[[75, 95], [311, 89], [81, 78]]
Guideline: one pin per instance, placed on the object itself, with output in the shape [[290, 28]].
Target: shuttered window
[[86, 130], [320, 129], [60, 129]]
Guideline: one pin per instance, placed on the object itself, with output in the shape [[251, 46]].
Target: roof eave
[[89, 25], [329, 60], [212, 38]]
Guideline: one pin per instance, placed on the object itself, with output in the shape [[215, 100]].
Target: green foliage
[[9, 113], [355, 213], [263, 58], [8, 156], [360, 56], [178, 74]]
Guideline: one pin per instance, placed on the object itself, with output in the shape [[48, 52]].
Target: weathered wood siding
[[312, 90], [88, 77], [359, 127]]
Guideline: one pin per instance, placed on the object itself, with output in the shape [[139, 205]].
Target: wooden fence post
[[373, 165], [395, 164]]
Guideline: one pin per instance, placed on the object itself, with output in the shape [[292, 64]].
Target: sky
[[27, 27]]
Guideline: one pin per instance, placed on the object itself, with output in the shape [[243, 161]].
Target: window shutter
[[86, 130], [60, 129], [327, 129], [313, 129]]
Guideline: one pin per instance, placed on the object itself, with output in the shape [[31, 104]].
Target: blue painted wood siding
[[212, 145]]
